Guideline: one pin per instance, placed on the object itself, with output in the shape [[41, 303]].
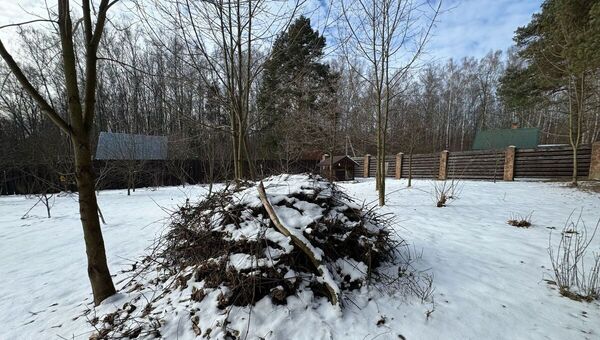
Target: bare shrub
[[43, 189], [574, 278], [46, 199], [414, 281], [444, 191], [520, 221]]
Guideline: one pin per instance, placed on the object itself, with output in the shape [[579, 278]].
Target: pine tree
[[296, 83], [561, 50]]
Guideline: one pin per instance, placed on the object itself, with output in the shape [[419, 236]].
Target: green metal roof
[[501, 138]]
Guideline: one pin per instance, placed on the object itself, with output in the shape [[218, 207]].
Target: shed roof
[[124, 146], [336, 159]]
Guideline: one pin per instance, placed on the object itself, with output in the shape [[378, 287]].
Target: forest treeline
[[304, 95]]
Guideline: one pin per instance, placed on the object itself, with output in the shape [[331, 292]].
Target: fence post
[[595, 162], [509, 163], [366, 165], [399, 165], [442, 174]]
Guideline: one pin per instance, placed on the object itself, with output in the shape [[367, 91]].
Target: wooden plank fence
[[421, 165], [551, 162], [545, 162], [485, 164]]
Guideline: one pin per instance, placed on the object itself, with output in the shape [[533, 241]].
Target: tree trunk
[[576, 98], [377, 169], [240, 150], [98, 273], [47, 204], [235, 142], [381, 162], [129, 182], [410, 169], [574, 179], [78, 129], [331, 164], [248, 157]]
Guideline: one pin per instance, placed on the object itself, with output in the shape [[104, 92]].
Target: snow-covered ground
[[488, 275], [43, 278]]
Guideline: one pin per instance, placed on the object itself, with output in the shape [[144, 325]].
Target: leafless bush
[[444, 191], [574, 278], [520, 221], [418, 282], [44, 190], [46, 199], [405, 275]]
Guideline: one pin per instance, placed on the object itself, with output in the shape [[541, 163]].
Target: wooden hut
[[343, 168]]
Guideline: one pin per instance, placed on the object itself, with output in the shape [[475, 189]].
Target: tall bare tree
[[389, 36], [222, 41], [78, 125]]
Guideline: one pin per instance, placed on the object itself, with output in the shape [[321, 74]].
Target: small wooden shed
[[343, 168]]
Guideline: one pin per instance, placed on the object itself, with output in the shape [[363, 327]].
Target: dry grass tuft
[[520, 221]]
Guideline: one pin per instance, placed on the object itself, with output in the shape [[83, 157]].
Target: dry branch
[[303, 245]]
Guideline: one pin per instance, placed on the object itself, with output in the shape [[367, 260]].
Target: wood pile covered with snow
[[236, 248]]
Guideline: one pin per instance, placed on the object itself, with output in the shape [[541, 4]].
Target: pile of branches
[[249, 242]]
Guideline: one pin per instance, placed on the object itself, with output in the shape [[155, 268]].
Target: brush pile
[[244, 244]]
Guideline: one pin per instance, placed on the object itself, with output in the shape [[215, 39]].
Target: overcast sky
[[466, 27]]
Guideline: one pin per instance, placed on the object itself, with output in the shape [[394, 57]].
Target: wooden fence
[[420, 166], [545, 162], [551, 162], [485, 164]]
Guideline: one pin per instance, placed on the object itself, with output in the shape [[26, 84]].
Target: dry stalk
[[574, 278]]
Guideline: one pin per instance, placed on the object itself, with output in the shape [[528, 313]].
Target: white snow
[[278, 187], [488, 276], [245, 261], [43, 275], [356, 270]]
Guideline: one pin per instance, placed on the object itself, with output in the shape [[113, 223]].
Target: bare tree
[[79, 125], [389, 36], [221, 40]]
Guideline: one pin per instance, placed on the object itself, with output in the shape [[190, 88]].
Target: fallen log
[[303, 244]]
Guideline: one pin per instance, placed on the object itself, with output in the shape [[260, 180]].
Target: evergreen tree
[[296, 84], [560, 48]]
